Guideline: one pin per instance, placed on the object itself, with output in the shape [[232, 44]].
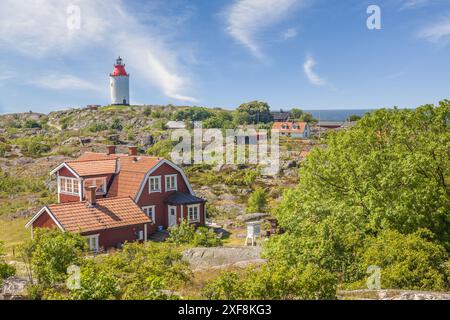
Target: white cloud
[[313, 78], [246, 19], [64, 82], [38, 28], [7, 75], [289, 33], [437, 31], [412, 4]]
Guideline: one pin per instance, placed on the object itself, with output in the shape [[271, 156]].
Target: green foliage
[[387, 173], [353, 117], [182, 234], [34, 146], [97, 282], [273, 282], [117, 124], [97, 127], [192, 114], [30, 124], [227, 286], [50, 253], [162, 149], [11, 185], [407, 261], [300, 115], [6, 270], [205, 237], [4, 148], [258, 111], [144, 271], [257, 202]]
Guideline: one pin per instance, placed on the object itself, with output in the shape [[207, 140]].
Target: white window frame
[[73, 182], [194, 206], [95, 181], [154, 178], [153, 212], [140, 235], [95, 238], [167, 178]]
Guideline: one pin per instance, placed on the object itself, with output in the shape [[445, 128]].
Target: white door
[[172, 216]]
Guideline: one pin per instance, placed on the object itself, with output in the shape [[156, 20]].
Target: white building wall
[[120, 89]]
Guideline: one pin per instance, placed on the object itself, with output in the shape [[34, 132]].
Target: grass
[[13, 234]]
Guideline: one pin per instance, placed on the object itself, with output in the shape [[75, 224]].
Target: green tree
[[205, 237], [407, 261], [257, 202], [50, 253], [227, 286], [258, 111], [390, 171]]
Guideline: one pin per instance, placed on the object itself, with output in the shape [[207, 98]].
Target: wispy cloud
[[39, 29], [412, 4], [313, 78], [246, 19], [437, 31], [7, 75], [289, 33], [64, 82]]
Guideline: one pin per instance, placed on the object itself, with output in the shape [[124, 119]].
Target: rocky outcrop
[[222, 257], [13, 289]]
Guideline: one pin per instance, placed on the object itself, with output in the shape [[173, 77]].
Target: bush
[[257, 201], [6, 270], [29, 124], [205, 237], [227, 286], [34, 147], [97, 127], [183, 233], [50, 253], [4, 148], [407, 261], [117, 125]]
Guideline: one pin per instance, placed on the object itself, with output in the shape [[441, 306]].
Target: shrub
[[407, 261], [205, 237], [34, 147], [117, 125], [257, 201], [4, 148], [183, 233], [227, 286], [29, 124], [97, 127], [6, 270]]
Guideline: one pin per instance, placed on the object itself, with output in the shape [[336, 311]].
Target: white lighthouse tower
[[120, 84]]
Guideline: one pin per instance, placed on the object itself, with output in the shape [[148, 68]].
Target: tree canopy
[[258, 111]]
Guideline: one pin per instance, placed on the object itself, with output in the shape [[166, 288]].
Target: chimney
[[111, 150], [132, 151], [91, 196]]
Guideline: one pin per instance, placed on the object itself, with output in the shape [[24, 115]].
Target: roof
[[106, 214], [132, 172], [295, 127], [93, 167], [280, 116], [183, 198]]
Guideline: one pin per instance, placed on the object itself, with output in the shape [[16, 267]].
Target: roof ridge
[[82, 202], [90, 160]]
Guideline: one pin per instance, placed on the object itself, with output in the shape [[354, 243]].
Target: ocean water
[[337, 115]]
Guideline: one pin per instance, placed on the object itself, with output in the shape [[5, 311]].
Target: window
[[100, 183], [68, 185], [92, 242], [150, 212], [194, 213], [141, 235], [171, 182], [154, 184]]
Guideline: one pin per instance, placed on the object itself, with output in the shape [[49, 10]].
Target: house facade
[[154, 190], [300, 130]]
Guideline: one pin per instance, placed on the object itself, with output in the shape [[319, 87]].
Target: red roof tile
[[93, 167], [289, 127], [106, 214]]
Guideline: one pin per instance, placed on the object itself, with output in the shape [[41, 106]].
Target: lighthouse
[[120, 84]]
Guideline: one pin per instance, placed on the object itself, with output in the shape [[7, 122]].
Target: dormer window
[[171, 182], [284, 127], [68, 185], [100, 183]]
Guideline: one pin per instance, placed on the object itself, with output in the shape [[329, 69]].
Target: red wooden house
[[111, 198]]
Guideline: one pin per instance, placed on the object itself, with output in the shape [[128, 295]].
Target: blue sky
[[313, 54]]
